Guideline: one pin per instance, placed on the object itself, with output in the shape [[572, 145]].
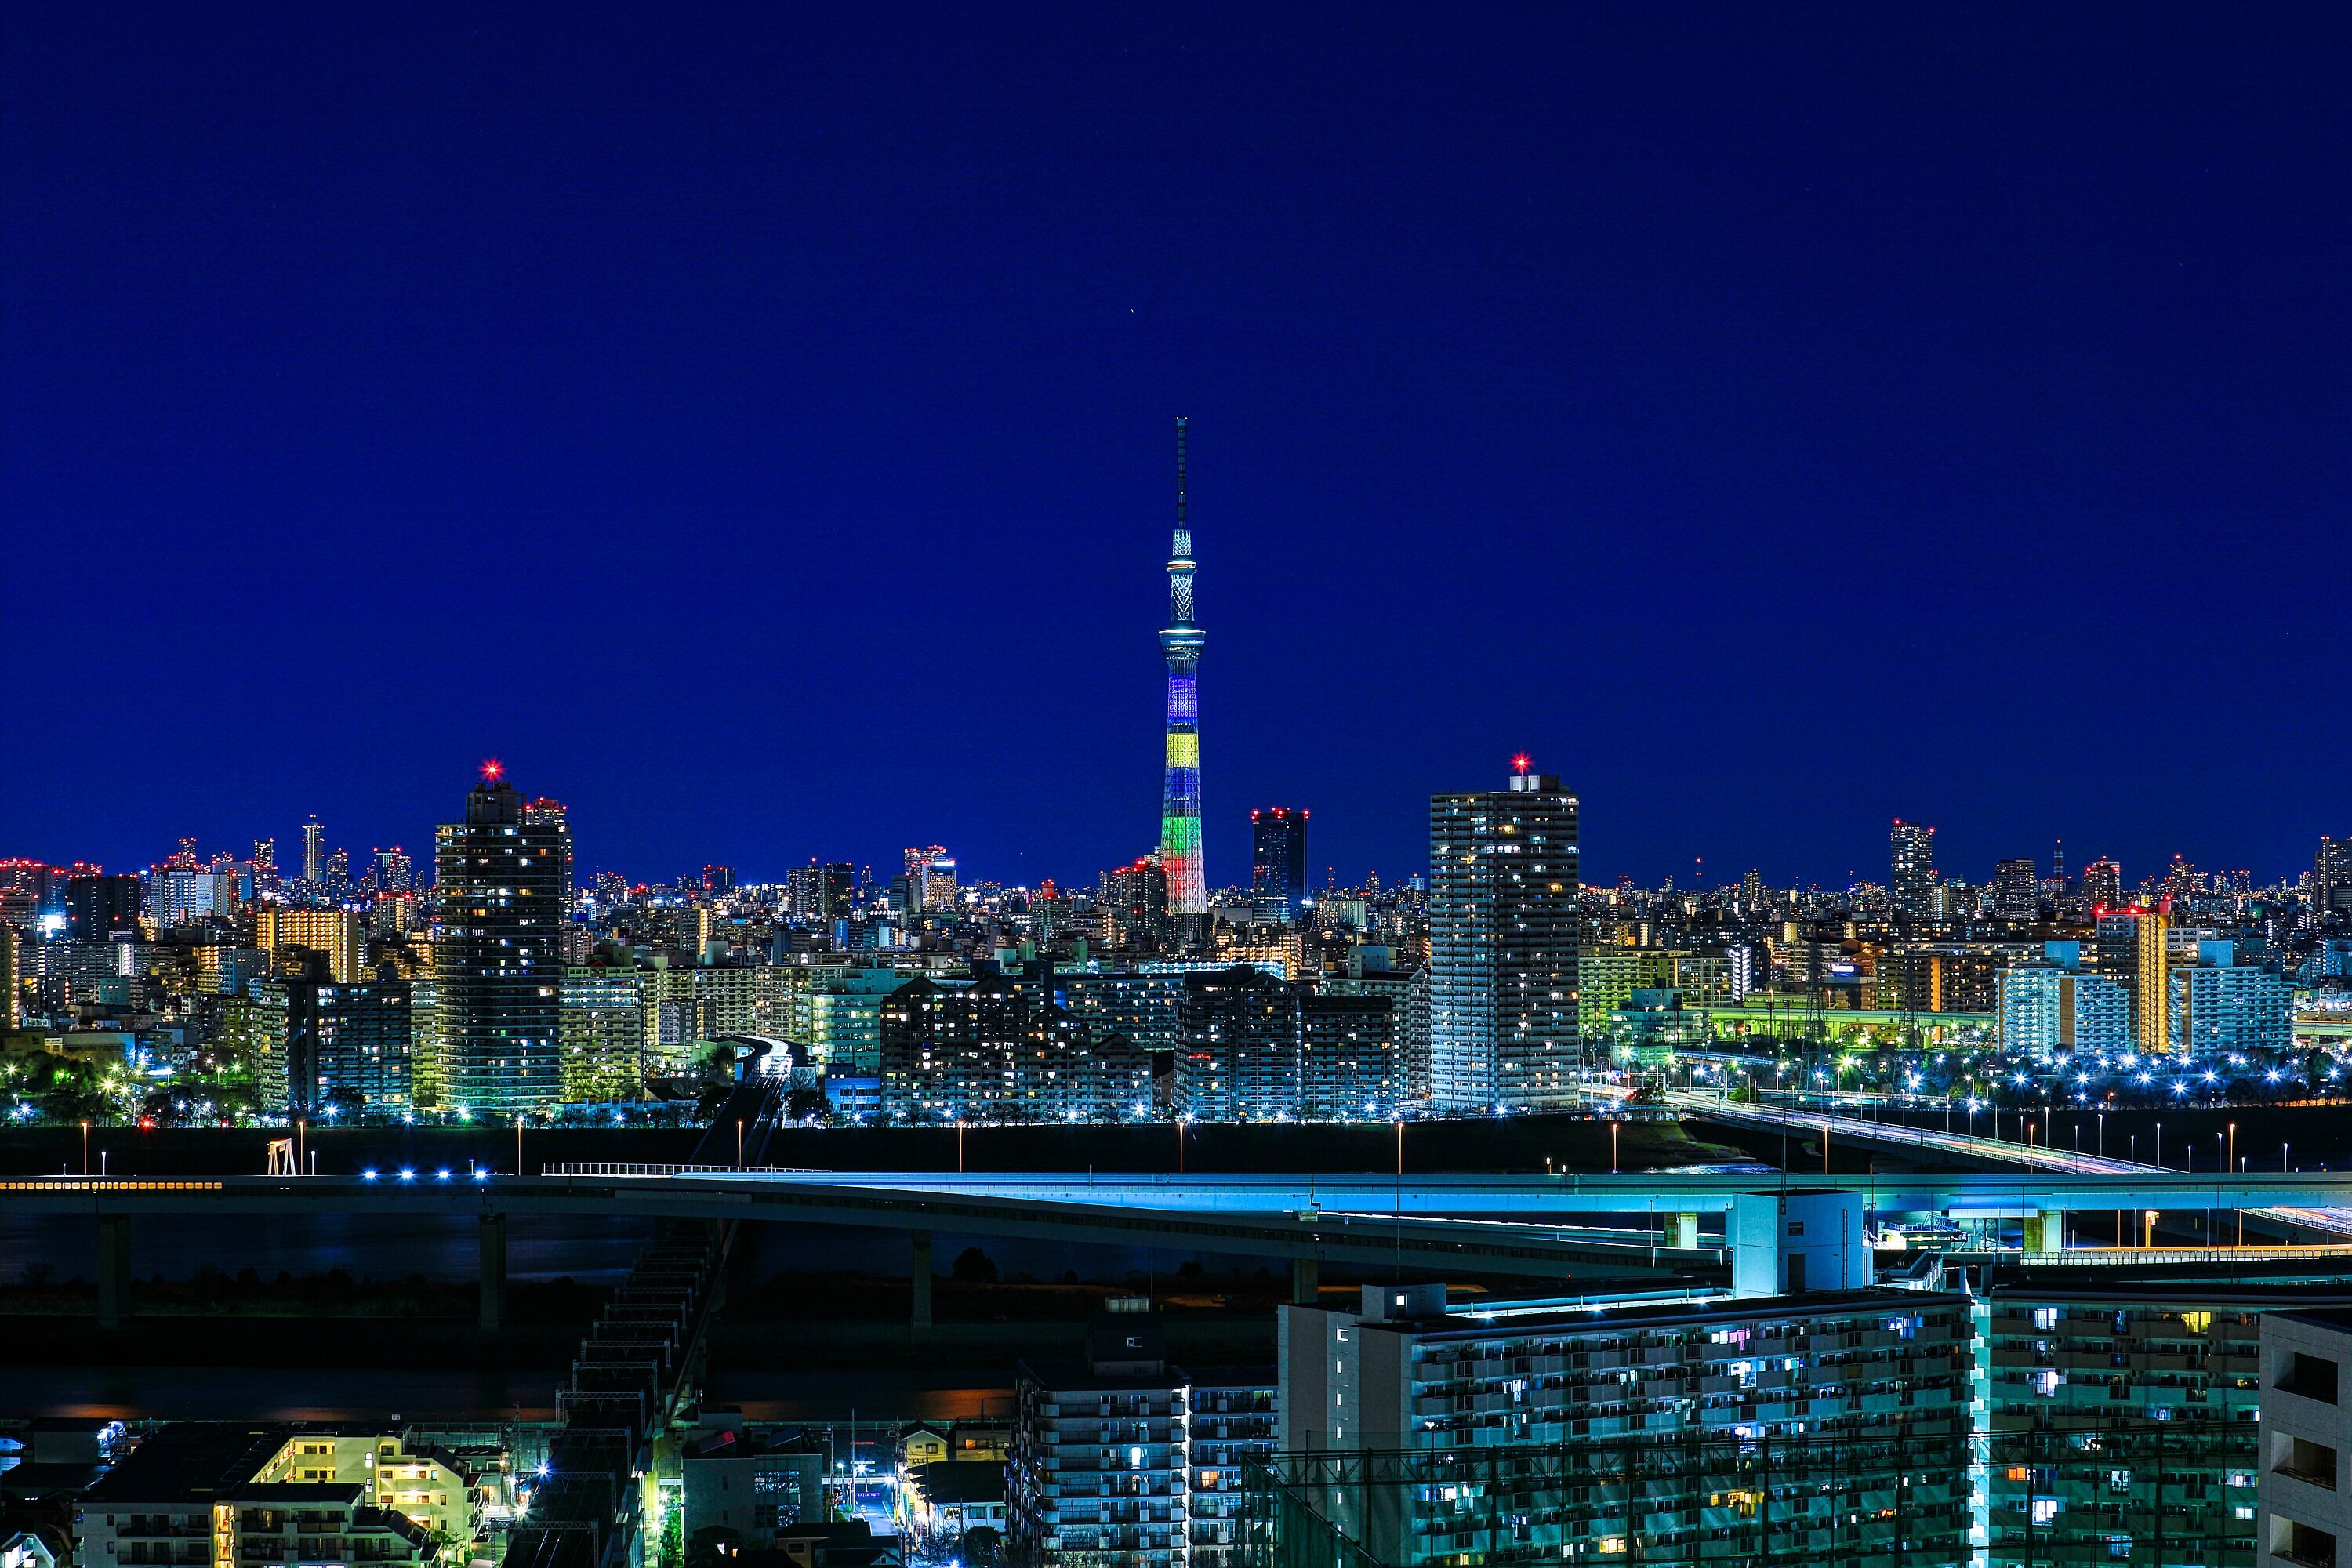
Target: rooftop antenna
[[1183, 528]]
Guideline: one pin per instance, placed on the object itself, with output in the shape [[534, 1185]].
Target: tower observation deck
[[1180, 797]]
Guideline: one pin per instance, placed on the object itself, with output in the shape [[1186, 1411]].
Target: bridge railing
[[640, 1168], [2286, 1252]]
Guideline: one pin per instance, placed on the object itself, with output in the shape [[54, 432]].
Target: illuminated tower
[[1180, 800]]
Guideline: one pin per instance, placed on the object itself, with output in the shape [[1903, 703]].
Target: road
[[2333, 1218]]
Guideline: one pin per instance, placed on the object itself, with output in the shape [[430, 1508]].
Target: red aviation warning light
[[1521, 763], [492, 770]]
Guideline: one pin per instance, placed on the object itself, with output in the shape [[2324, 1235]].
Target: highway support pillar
[[494, 1273], [918, 1276], [1685, 1233], [1305, 1281], [2046, 1231], [113, 1269]]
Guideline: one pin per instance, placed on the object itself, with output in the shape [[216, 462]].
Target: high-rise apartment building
[[931, 878], [2219, 1008], [1911, 877], [1828, 1427], [1124, 1459], [821, 892], [2331, 877], [1180, 795], [314, 852], [2307, 1437], [2125, 1420], [181, 894], [1608, 973], [835, 1010], [503, 890], [995, 1050], [394, 872], [348, 1048], [1256, 1048], [1716, 976], [603, 1030], [99, 907], [2016, 891], [1277, 862], [2152, 992], [1502, 946], [339, 936], [2053, 1008], [2181, 880], [2102, 884], [1132, 904]]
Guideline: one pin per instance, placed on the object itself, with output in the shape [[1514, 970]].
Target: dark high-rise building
[[1277, 862], [502, 895], [347, 1047], [100, 907], [822, 891], [1254, 1048], [2103, 883], [1134, 900], [1751, 894], [1503, 943], [1180, 797], [2016, 895], [1911, 879], [2331, 877]]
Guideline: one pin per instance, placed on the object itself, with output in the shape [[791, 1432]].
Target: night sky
[[756, 430]]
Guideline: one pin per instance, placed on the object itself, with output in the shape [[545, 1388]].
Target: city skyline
[[1946, 865], [1615, 425], [639, 930]]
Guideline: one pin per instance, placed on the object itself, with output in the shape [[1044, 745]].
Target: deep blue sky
[[756, 430]]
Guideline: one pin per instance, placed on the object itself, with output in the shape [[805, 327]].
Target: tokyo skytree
[[1180, 798]]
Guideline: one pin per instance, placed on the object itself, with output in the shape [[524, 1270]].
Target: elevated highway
[[1244, 1213], [2324, 1207]]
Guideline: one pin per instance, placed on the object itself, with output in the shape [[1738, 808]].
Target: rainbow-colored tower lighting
[[1180, 795]]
